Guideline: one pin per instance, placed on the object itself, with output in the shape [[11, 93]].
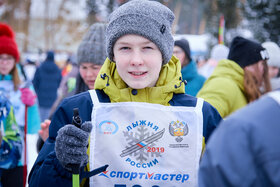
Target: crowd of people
[[133, 109]]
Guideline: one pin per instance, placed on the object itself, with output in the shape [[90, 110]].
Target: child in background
[[273, 64], [189, 70], [21, 96]]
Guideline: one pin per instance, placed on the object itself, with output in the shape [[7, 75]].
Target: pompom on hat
[[7, 41], [149, 19]]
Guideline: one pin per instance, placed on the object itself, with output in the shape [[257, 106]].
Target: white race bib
[[145, 144]]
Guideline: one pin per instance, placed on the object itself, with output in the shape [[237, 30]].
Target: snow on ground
[[31, 150]]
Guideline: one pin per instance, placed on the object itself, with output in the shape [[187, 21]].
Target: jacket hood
[[50, 56], [169, 82], [231, 70], [49, 64]]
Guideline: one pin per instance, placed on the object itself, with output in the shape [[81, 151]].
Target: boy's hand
[[71, 144]]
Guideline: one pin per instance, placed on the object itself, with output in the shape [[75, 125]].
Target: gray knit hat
[[92, 48], [149, 19]]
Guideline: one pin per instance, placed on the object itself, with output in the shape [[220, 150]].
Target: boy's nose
[[136, 58]]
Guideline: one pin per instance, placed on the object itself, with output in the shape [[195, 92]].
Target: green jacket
[[224, 89], [162, 93]]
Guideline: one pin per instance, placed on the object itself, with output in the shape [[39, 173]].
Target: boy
[[143, 125]]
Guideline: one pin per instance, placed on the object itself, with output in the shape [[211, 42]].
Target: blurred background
[[58, 25]]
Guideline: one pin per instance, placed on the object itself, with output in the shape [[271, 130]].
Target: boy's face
[[138, 61]]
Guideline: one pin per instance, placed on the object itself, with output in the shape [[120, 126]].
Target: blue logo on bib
[[108, 127]]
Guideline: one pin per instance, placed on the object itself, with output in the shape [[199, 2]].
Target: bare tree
[[26, 21], [17, 15], [177, 12]]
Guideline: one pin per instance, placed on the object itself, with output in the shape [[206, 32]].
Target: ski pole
[[77, 121], [25, 147], [26, 85]]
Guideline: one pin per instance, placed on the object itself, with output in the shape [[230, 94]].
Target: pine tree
[[263, 16], [92, 10]]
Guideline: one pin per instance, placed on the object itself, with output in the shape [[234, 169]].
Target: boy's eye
[[148, 47], [124, 48]]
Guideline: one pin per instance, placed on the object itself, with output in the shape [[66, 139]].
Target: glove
[[27, 96], [71, 145]]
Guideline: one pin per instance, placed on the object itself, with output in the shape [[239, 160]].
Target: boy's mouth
[[138, 73]]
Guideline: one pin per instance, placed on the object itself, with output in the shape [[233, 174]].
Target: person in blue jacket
[[194, 80], [46, 81], [138, 118], [244, 150]]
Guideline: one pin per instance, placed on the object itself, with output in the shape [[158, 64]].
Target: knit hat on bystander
[[92, 48], [246, 52], [7, 41]]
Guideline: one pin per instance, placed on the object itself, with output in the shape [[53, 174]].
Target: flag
[[221, 29]]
